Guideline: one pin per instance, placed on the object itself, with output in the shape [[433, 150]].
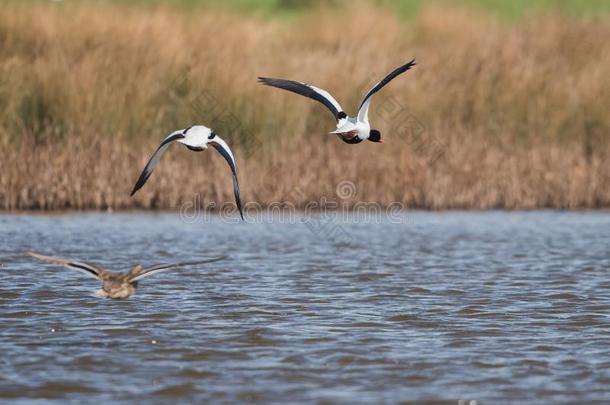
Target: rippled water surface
[[492, 307]]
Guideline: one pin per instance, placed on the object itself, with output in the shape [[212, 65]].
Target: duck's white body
[[196, 137], [351, 127]]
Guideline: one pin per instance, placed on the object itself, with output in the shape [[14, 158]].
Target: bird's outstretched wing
[[83, 267], [155, 159], [149, 271], [307, 90], [221, 146], [363, 111]]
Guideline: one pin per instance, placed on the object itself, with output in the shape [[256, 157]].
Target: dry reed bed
[[494, 115]]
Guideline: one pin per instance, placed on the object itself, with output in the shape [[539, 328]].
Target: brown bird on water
[[117, 285]]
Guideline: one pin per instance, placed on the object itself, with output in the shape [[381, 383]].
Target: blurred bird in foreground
[[117, 285]]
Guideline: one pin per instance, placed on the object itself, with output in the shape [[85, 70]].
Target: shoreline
[[218, 213]]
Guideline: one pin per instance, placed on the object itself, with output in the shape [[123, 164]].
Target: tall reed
[[495, 115]]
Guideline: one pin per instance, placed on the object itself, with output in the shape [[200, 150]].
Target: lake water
[[436, 307]]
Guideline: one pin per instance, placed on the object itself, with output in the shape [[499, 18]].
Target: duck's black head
[[375, 136]]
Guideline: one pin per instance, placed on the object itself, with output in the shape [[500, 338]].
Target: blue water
[[441, 307]]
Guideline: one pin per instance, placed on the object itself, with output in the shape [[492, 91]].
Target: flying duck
[[116, 285], [350, 130], [196, 138]]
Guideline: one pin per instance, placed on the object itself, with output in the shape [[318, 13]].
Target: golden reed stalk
[[495, 115]]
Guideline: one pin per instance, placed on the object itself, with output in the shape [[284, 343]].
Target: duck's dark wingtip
[[264, 80], [135, 189]]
